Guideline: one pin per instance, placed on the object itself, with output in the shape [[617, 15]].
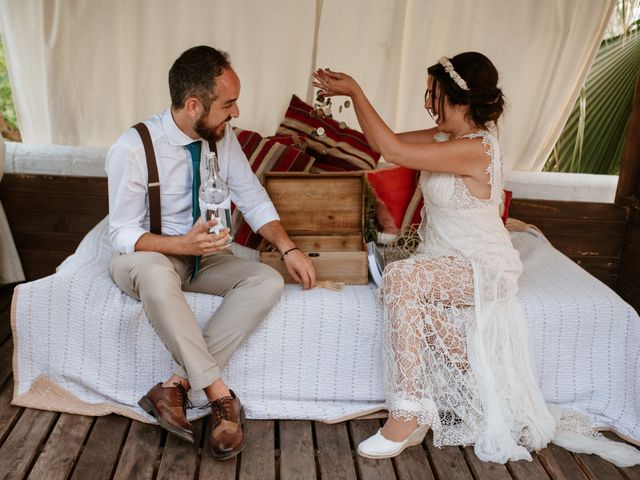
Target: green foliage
[[370, 227], [593, 137], [7, 109]]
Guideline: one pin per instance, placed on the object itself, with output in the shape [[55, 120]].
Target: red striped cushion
[[338, 149], [272, 154]]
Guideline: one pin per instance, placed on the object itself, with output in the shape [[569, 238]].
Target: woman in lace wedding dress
[[456, 350]]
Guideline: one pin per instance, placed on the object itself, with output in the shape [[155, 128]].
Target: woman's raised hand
[[334, 83]]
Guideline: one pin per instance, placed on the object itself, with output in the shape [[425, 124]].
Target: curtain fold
[[10, 266], [82, 71]]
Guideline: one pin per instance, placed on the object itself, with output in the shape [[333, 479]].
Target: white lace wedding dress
[[457, 352]]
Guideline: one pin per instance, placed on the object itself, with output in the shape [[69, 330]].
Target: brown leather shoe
[[169, 406], [227, 438]]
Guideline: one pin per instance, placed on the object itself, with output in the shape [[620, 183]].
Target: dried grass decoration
[[402, 247], [330, 285]]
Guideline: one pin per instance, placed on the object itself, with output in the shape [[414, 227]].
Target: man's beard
[[208, 133]]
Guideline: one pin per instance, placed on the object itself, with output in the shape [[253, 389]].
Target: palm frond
[[593, 137]]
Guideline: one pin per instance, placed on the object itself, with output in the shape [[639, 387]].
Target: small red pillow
[[272, 154], [399, 198], [413, 214], [335, 148], [394, 188]]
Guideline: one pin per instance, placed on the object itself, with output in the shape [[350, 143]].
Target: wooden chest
[[324, 215]]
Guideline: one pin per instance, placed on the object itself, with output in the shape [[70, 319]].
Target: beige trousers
[[250, 290]]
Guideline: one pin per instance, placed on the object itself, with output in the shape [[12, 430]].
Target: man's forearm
[[167, 244], [275, 234]]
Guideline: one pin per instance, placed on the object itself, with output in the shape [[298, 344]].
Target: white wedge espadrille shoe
[[377, 446]]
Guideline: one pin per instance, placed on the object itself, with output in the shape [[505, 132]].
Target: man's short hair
[[194, 74]]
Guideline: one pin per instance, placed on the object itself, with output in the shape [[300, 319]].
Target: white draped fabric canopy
[[82, 71]]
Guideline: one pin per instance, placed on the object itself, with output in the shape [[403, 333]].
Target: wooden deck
[[44, 445]]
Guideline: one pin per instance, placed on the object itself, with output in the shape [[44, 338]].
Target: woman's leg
[[421, 295]]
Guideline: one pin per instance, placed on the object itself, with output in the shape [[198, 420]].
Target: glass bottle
[[213, 196]]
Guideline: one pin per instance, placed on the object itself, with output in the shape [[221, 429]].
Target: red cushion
[[272, 154], [399, 199], [394, 188], [338, 149]]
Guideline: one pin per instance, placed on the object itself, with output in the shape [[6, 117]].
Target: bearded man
[[156, 261]]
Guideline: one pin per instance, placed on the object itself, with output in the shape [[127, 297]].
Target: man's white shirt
[[126, 168]]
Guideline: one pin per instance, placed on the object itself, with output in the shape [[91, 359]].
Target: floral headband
[[448, 67]]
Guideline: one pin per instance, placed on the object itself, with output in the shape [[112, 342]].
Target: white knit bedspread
[[318, 353]]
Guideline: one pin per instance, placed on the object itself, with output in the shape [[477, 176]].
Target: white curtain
[[84, 70], [10, 266]]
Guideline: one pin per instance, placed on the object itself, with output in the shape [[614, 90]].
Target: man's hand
[[300, 268], [298, 264], [198, 241]]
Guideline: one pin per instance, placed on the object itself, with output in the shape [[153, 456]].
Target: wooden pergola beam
[[628, 192]]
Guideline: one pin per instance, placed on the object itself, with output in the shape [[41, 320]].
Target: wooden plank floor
[[43, 445]]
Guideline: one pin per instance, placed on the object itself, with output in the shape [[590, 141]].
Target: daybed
[[82, 346]]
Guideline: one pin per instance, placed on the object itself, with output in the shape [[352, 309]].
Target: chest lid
[[323, 204]]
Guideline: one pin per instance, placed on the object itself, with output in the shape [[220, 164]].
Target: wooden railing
[[591, 234], [49, 216]]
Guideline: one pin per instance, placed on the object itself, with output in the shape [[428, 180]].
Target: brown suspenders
[[154, 181]]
